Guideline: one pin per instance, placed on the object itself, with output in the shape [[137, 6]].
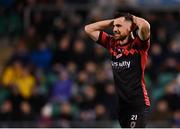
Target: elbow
[[148, 26], [87, 29]]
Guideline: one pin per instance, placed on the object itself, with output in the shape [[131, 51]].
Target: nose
[[115, 29]]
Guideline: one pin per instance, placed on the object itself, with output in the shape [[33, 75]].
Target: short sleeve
[[104, 39], [140, 44]]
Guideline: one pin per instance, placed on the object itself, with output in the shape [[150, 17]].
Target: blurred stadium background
[[53, 75]]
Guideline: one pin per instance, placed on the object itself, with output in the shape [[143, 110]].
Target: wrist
[[111, 21]]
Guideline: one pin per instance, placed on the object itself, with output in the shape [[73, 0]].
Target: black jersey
[[128, 65]]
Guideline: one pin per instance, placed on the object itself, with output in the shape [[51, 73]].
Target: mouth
[[117, 35]]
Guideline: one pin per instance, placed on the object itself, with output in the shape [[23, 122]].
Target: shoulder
[[141, 44], [104, 39]]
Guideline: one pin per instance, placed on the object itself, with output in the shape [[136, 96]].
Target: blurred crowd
[[53, 75]]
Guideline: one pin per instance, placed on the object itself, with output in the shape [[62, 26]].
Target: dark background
[[53, 75]]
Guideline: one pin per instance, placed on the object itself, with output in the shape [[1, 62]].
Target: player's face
[[121, 28]]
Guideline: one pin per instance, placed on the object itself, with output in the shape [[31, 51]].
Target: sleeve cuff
[[100, 37]]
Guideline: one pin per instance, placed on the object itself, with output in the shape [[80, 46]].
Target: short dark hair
[[127, 16]]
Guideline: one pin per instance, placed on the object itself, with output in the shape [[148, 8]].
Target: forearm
[[93, 30], [143, 26], [97, 26]]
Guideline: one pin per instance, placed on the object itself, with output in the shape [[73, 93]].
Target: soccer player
[[128, 54]]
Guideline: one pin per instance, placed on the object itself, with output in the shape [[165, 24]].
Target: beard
[[120, 37]]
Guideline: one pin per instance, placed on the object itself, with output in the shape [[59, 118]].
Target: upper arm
[[144, 31]]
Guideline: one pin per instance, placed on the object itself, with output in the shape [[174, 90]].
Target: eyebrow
[[117, 24]]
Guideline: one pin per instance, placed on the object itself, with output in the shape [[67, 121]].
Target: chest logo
[[122, 64]]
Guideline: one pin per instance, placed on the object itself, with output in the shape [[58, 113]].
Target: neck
[[126, 40]]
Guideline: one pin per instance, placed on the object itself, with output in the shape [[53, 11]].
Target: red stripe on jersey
[[104, 39], [143, 63]]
